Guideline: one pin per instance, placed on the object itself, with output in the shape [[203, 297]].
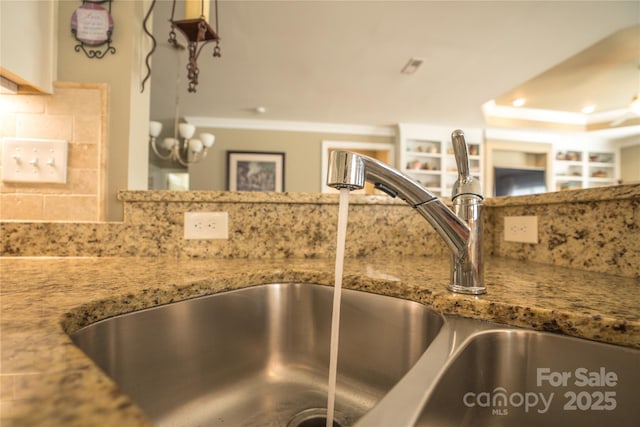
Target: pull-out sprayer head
[[346, 170]]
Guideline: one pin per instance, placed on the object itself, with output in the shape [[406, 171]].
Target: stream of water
[[343, 211]]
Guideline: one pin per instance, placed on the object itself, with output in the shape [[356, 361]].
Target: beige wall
[[302, 159], [630, 164], [75, 113], [122, 71]]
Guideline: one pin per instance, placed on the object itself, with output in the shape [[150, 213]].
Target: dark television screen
[[518, 182]]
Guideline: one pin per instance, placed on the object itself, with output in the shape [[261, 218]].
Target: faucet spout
[[460, 228]]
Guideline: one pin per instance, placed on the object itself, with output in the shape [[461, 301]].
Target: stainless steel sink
[[259, 356], [528, 378]]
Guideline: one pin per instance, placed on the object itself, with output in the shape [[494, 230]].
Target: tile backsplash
[[76, 113]]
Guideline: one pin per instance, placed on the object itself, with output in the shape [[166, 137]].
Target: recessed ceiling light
[[412, 66], [518, 102], [588, 109]]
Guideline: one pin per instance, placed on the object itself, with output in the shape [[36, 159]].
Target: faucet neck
[[467, 271], [460, 228]]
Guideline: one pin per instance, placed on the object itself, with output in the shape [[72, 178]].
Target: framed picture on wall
[[255, 171]]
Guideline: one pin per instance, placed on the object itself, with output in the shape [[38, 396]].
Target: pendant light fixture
[[196, 30], [182, 147]]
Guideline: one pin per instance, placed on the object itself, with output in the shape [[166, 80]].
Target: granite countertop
[[46, 380]]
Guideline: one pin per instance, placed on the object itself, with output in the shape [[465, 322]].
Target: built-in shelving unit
[[426, 155], [580, 168], [573, 160]]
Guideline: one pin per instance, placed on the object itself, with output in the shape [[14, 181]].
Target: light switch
[[34, 160]]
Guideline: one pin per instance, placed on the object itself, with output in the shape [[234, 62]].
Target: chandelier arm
[[155, 150], [182, 162], [178, 157]]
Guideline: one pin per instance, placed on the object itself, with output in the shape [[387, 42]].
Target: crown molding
[[491, 109], [284, 125]]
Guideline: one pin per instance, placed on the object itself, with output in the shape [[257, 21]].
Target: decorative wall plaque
[[92, 26]]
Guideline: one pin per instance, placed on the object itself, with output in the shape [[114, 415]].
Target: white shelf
[[597, 179], [574, 167], [423, 172], [568, 178]]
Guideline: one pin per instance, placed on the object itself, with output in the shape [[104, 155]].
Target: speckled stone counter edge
[[615, 192], [587, 195], [599, 328]]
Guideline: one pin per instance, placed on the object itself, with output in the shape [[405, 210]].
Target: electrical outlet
[[522, 229], [206, 225]]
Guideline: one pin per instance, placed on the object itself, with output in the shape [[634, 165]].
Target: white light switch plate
[[34, 160], [522, 229]]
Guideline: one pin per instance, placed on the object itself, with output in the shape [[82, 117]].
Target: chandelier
[[182, 147], [197, 31]]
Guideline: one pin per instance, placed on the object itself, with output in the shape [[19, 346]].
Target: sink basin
[[529, 378], [259, 356]]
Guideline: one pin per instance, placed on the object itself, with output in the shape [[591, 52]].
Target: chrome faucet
[[460, 228]]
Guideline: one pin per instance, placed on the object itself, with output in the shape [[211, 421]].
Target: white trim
[[491, 109], [351, 129], [490, 146], [617, 133], [607, 116], [439, 132], [629, 143], [347, 145], [539, 136], [542, 136]]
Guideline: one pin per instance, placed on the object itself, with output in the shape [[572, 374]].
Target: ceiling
[[339, 62], [605, 74]]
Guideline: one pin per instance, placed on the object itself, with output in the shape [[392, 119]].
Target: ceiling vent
[[412, 66]]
